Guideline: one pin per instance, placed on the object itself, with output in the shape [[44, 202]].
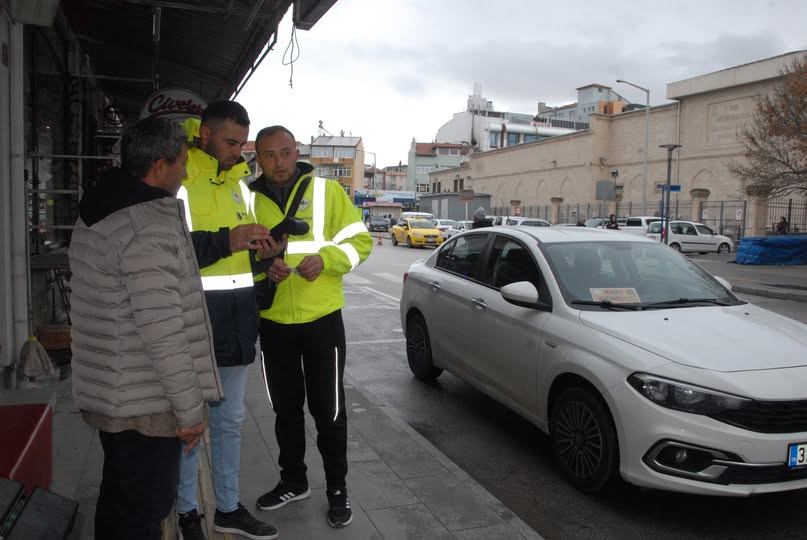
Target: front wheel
[[419, 349], [584, 439], [409, 242], [723, 248], [394, 240], [675, 246]]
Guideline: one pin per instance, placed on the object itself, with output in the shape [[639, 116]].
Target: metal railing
[[793, 210]]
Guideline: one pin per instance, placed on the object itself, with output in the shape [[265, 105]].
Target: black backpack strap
[[298, 196]]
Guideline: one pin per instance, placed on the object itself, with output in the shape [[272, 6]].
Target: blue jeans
[[226, 417]]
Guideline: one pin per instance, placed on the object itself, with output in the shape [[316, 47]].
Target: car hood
[[727, 339]]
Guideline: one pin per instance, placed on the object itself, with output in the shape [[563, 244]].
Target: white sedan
[[632, 358]]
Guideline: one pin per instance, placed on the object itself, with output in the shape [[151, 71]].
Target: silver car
[[635, 361]]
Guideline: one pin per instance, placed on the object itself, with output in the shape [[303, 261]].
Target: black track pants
[[321, 346]]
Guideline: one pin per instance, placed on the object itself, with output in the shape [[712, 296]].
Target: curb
[[496, 505], [769, 292]]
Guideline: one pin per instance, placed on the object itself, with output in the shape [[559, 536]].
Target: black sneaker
[[339, 513], [240, 521], [190, 525], [281, 496]]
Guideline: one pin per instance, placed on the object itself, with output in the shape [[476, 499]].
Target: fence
[[725, 217], [794, 211]]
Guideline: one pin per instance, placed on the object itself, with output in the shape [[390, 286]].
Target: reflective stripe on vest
[[182, 195], [249, 197], [227, 283], [318, 215], [318, 231]]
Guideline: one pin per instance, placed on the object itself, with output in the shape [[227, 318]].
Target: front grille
[[762, 475], [768, 416]]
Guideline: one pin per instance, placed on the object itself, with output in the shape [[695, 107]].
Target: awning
[[207, 46]]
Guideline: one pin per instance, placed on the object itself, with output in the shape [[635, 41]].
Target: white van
[[638, 224]]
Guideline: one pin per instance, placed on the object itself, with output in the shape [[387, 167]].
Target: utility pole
[[670, 148]]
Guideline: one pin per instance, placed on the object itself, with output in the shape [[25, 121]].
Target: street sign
[[466, 195], [673, 188]]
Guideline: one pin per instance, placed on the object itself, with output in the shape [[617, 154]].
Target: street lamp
[[372, 182], [670, 148], [646, 136]]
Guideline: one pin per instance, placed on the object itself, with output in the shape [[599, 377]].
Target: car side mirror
[[524, 294]]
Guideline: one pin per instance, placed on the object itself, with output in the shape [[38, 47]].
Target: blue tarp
[[786, 249]]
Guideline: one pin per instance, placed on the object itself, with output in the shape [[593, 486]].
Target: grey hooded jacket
[[141, 337]]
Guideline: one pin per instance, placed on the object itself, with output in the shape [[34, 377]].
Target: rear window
[[654, 227]]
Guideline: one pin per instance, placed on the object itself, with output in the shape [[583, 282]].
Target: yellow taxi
[[416, 232]]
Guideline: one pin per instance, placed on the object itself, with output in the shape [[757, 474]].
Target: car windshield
[[446, 222], [599, 275], [378, 219], [421, 223], [593, 222]]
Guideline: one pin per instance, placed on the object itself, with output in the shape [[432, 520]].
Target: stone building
[[557, 178]]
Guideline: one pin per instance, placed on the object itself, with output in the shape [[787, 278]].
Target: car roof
[[550, 235]]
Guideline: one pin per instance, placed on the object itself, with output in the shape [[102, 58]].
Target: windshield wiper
[[685, 301], [607, 304]]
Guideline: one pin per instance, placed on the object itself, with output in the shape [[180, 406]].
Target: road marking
[[353, 279], [383, 295], [395, 278], [371, 306], [377, 341]]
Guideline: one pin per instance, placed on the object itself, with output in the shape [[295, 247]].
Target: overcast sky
[[391, 70]]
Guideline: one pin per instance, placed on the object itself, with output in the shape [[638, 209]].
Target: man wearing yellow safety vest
[[223, 231], [305, 319]]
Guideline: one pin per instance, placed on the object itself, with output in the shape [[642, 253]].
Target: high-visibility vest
[[214, 200], [336, 233]]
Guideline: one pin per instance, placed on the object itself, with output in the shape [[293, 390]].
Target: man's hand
[[243, 236], [279, 271], [266, 249], [191, 435], [310, 267]]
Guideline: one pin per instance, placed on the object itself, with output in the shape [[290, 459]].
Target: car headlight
[[683, 396], [417, 233]]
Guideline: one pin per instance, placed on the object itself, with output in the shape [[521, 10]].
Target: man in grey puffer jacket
[[143, 361]]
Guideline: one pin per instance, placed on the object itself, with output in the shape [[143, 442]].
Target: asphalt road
[[511, 458]]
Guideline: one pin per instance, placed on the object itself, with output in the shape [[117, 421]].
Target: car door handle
[[434, 285], [479, 303], [551, 344]]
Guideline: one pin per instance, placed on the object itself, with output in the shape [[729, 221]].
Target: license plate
[[431, 240], [797, 455]]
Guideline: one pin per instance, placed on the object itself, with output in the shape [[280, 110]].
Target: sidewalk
[[400, 485], [782, 282]]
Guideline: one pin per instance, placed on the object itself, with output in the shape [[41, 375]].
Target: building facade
[[591, 99], [425, 158], [341, 159], [562, 172], [482, 128]]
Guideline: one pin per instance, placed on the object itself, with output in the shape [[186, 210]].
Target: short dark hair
[[148, 141], [225, 110], [271, 130]]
